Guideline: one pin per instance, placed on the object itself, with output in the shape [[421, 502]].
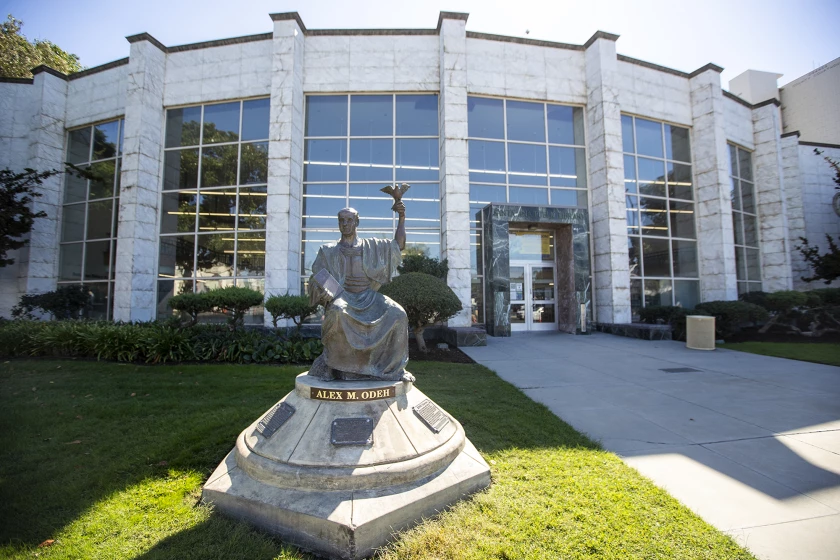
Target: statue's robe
[[364, 333]]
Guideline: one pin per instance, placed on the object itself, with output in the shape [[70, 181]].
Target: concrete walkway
[[750, 443]]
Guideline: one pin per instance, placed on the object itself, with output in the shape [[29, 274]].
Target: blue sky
[[791, 37]]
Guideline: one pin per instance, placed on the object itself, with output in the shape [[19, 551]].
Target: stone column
[[285, 158], [137, 239], [771, 199], [454, 160], [710, 162], [795, 208], [37, 261], [611, 269]]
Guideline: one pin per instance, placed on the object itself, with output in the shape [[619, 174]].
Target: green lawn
[[818, 352], [108, 461]]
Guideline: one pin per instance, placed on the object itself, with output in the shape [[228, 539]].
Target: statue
[[365, 334]]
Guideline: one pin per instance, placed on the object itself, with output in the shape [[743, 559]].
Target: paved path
[[750, 443]]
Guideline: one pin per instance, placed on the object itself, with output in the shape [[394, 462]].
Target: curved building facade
[[566, 185]]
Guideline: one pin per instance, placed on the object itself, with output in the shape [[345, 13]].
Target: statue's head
[[348, 220]]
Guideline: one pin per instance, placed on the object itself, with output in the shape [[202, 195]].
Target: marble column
[[285, 158], [710, 161], [454, 160], [771, 198], [611, 269], [795, 208], [137, 241], [37, 261]]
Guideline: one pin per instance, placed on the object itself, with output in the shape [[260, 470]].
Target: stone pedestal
[[339, 467]]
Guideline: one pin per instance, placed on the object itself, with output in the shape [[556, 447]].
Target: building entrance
[[533, 288]]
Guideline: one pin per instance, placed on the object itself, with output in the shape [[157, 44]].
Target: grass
[[108, 461], [817, 352]]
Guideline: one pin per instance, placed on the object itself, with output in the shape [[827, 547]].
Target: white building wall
[[653, 94], [818, 190], [795, 209], [350, 63], [219, 73], [737, 122], [508, 69], [811, 105], [97, 97]]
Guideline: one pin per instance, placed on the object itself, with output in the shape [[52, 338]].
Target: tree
[[288, 306], [427, 265], [825, 266], [18, 56], [17, 191], [427, 300]]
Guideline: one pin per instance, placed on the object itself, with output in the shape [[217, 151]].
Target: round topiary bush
[[426, 300]]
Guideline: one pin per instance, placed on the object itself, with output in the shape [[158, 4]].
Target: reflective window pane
[[326, 115], [75, 187], [322, 212], [70, 262], [178, 212], [105, 140], [737, 227], [656, 257], [99, 221], [217, 210], [685, 258], [526, 164], [653, 216], [679, 181], [565, 124], [214, 255], [564, 197], [337, 189], [255, 119], [651, 176], [417, 159], [487, 161], [325, 160], [250, 254], [630, 174], [735, 194], [97, 260], [423, 190], [563, 166], [658, 292], [218, 166], [182, 127], [649, 138], [417, 115], [634, 257], [488, 193], [627, 134], [99, 309], [177, 255], [371, 160], [525, 121], [745, 164], [635, 298], [682, 219], [753, 264], [371, 115], [73, 222], [252, 210], [528, 195], [677, 144], [747, 197], [78, 145], [686, 293], [750, 230], [733, 160], [102, 186], [180, 169], [253, 166], [486, 118], [477, 300], [221, 123]]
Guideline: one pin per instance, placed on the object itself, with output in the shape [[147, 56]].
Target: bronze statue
[[365, 333]]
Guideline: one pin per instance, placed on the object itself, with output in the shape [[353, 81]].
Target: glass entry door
[[532, 296]]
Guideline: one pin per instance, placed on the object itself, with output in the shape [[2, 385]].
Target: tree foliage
[[18, 56], [234, 301], [414, 262], [17, 191], [191, 305], [288, 306], [427, 300]]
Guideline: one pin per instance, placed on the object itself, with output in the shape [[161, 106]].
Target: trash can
[[700, 332]]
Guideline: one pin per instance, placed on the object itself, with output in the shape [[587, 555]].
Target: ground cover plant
[[106, 460]]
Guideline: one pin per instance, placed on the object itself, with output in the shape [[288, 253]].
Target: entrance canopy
[[570, 227]]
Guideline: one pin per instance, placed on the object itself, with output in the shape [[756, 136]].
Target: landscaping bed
[[107, 460]]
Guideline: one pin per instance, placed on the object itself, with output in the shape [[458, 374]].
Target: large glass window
[[659, 194], [90, 214], [213, 207], [356, 144], [521, 152], [744, 221]]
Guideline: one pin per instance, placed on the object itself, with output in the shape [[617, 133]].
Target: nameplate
[[352, 395]]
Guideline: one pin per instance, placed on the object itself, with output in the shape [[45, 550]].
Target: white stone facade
[[292, 62]]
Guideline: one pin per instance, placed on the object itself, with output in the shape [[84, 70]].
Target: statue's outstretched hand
[[399, 207]]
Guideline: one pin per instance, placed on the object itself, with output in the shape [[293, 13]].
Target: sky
[[789, 37]]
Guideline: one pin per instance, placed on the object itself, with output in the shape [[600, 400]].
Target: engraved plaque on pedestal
[[352, 431], [431, 415], [275, 418]]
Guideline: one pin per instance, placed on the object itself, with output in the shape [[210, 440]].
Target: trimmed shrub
[[426, 300], [661, 314], [758, 298], [288, 306], [191, 305], [67, 302], [730, 315], [424, 264], [234, 301], [828, 296]]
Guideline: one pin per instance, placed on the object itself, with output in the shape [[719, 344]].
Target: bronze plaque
[[352, 431], [275, 418], [352, 395], [431, 415]]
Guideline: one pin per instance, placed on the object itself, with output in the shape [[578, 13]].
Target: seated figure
[[365, 334]]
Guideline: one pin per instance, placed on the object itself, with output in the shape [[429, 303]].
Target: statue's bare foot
[[407, 377]]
